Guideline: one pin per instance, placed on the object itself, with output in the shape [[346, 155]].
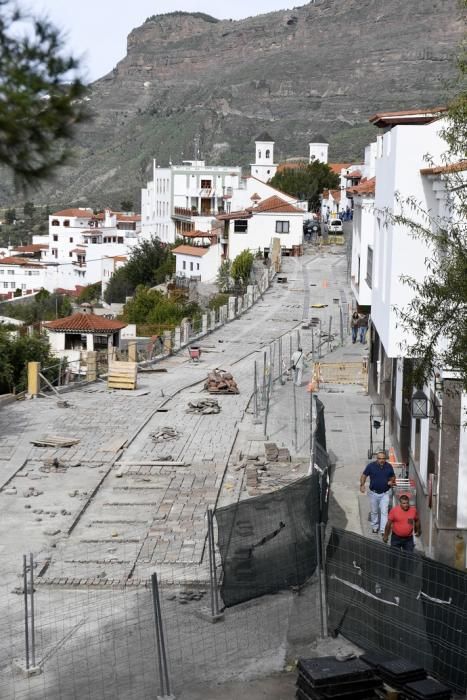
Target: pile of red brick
[[221, 382]]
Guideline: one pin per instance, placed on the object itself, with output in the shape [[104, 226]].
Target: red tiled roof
[[70, 292], [275, 205], [80, 212], [442, 169], [335, 194], [337, 167], [364, 187], [32, 248], [84, 323], [354, 175], [291, 165], [241, 214], [195, 251], [120, 216], [79, 250], [22, 262], [198, 234], [407, 116]]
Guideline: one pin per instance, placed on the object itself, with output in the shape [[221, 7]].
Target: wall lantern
[[419, 405]]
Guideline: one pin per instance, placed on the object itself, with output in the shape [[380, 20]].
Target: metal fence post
[[33, 631], [160, 641], [266, 412], [263, 394], [280, 361], [341, 324], [215, 614], [26, 614], [329, 334]]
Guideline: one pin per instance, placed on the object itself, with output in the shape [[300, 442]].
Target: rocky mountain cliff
[[188, 80]]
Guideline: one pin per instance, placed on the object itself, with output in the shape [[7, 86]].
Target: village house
[[199, 256], [434, 444]]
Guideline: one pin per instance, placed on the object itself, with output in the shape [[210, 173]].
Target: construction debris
[[55, 441], [204, 406], [276, 454], [221, 382], [165, 433]]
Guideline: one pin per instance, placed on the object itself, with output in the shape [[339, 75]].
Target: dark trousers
[[405, 543]]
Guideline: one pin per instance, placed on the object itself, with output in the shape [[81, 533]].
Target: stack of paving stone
[[326, 677], [221, 382], [395, 671], [428, 689], [276, 454]]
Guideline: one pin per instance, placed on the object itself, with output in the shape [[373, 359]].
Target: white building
[[185, 197], [318, 150], [253, 228], [79, 333], [436, 447], [199, 258], [264, 167]]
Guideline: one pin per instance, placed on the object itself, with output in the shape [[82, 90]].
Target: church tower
[[318, 150], [264, 168]]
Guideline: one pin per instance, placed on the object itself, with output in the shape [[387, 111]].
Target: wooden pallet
[[122, 375]]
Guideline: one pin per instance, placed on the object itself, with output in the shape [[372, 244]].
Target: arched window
[[259, 154], [268, 153], [55, 222], [66, 222]]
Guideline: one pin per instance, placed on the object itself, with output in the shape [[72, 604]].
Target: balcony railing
[[192, 213]]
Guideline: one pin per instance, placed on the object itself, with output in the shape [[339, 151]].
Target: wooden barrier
[[122, 375], [341, 373]]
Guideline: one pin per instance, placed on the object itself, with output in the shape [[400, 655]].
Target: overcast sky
[[96, 30]]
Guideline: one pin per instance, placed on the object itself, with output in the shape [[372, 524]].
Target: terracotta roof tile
[[195, 251], [22, 262], [337, 167], [443, 169], [85, 323], [275, 205], [80, 212], [354, 175], [407, 116], [364, 187], [32, 248]]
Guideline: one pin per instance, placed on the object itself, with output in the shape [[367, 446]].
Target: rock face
[[191, 82]]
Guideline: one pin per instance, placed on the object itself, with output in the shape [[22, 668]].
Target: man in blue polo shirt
[[382, 478]]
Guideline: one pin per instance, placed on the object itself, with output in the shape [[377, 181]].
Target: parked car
[[311, 229], [335, 227]]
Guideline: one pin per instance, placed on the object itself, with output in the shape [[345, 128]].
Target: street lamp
[[419, 405]]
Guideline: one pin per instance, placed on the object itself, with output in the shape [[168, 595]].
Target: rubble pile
[[221, 382], [165, 433], [276, 454], [204, 406]]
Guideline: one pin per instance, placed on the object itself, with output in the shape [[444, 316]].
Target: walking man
[[404, 522], [297, 366], [382, 479]]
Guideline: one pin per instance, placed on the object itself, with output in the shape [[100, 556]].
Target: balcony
[[184, 213]]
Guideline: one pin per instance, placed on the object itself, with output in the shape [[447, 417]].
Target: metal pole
[[267, 406], [263, 397], [155, 593], [213, 551], [290, 351], [319, 340], [280, 360], [313, 343], [255, 391], [161, 633], [26, 622], [329, 333], [311, 428], [271, 364], [320, 583], [298, 339], [295, 413], [33, 632], [341, 324]]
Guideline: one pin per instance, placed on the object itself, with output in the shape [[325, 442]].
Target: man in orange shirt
[[404, 522]]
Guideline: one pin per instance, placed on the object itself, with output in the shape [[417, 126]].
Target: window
[[55, 237], [70, 254], [206, 184], [191, 267], [66, 222], [55, 222], [259, 155], [11, 272], [23, 286], [71, 240], [54, 252], [12, 285], [240, 225], [197, 266], [5, 284], [282, 227], [184, 265], [369, 267], [268, 153]]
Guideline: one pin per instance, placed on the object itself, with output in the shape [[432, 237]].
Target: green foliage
[[10, 216], [150, 306], [44, 307], [218, 301], [224, 277], [40, 100], [15, 353], [126, 205], [241, 267], [306, 182], [179, 13], [29, 210], [149, 264], [91, 293]]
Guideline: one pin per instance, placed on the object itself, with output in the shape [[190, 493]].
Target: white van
[[335, 227]]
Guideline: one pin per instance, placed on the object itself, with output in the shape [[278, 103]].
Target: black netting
[[404, 604], [320, 426], [268, 543]]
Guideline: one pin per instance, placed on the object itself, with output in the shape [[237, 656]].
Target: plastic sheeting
[[403, 604]]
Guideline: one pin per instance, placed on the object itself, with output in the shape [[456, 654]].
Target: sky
[[96, 30]]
